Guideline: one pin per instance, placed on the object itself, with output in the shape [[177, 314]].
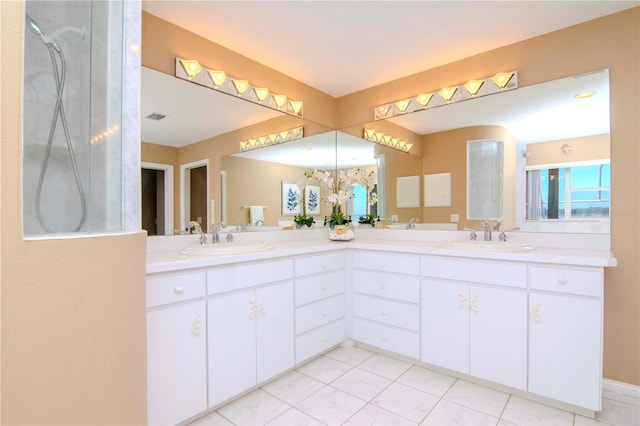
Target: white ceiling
[[340, 47]]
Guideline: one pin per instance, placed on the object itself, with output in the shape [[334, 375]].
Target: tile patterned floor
[[354, 386]]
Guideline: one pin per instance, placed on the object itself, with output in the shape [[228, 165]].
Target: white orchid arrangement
[[339, 189]]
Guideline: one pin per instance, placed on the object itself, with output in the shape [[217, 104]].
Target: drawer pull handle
[[473, 305], [462, 301], [324, 339], [535, 314], [324, 286], [383, 286], [562, 280], [178, 290], [324, 314], [195, 325]]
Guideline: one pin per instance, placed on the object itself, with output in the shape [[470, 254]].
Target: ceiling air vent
[[156, 116]]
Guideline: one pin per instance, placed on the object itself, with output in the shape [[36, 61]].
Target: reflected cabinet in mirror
[[556, 155]]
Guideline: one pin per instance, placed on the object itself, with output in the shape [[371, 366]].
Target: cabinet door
[[565, 355], [176, 362], [275, 335], [232, 345], [498, 335], [445, 325]]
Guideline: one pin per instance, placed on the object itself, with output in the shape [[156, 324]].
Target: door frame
[[168, 192], [185, 193]]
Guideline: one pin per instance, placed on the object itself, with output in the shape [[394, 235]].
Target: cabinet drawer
[[392, 286], [237, 277], [567, 280], [386, 262], [320, 286], [319, 340], [319, 313], [321, 263], [175, 288], [386, 311], [390, 338], [477, 271]]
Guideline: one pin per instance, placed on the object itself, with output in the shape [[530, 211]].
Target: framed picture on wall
[[290, 199], [312, 200]]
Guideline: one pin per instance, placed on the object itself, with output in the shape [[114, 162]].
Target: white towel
[[256, 213]]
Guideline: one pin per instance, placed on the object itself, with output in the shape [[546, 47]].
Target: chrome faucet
[[195, 225], [503, 234], [472, 235], [486, 229], [215, 235], [412, 223]]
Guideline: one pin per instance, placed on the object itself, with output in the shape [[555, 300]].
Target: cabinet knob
[[324, 339], [383, 265], [324, 314], [562, 280], [178, 290], [383, 286], [324, 286]]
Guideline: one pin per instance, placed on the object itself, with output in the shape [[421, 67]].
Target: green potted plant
[[302, 220], [369, 219]]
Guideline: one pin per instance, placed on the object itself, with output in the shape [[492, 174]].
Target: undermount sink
[[505, 246], [225, 248]]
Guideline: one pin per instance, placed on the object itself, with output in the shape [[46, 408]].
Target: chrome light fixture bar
[[472, 89], [386, 140], [272, 139], [191, 70]]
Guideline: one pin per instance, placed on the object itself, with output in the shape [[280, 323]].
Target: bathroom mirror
[[571, 111]]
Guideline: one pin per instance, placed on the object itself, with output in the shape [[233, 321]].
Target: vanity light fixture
[[218, 80], [280, 100], [447, 93], [261, 93], [191, 67], [472, 89], [424, 98], [272, 139], [218, 77], [386, 140], [473, 86], [501, 79], [241, 86]]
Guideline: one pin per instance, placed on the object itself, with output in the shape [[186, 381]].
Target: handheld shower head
[[35, 28], [31, 24]]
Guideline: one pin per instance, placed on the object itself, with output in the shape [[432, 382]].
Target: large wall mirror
[[190, 134], [558, 157]]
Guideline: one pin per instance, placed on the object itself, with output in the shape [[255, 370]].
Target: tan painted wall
[[611, 42], [446, 152], [586, 148], [73, 311], [162, 42], [253, 182]]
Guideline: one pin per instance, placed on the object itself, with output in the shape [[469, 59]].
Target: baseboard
[[621, 392]]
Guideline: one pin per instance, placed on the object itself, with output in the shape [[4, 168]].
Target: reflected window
[[569, 192], [357, 205]]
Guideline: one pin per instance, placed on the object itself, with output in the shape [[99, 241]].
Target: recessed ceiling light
[[584, 95]]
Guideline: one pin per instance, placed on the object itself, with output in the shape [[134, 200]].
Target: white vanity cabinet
[[386, 301], [250, 326], [176, 347], [565, 334], [320, 282], [474, 318]]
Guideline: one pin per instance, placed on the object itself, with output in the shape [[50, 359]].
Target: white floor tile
[[361, 384], [211, 419], [325, 369], [372, 415], [293, 387], [331, 406], [255, 408], [406, 401], [618, 413], [448, 413], [524, 412], [385, 366], [426, 380], [294, 417], [585, 421], [477, 397], [351, 355]]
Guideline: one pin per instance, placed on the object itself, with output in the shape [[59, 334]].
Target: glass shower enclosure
[[72, 118]]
